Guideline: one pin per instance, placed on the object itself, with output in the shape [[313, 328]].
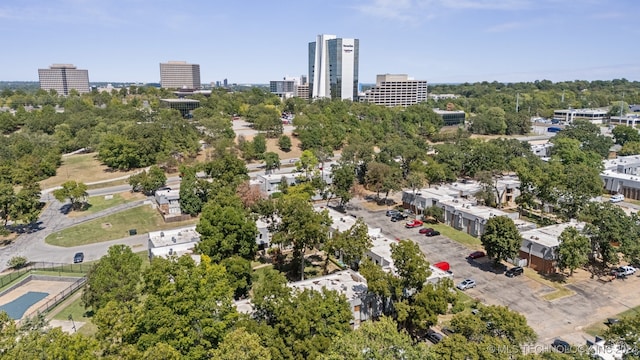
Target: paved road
[[52, 219]]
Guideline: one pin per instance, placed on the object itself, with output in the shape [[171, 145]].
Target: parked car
[[477, 255], [413, 224], [514, 271], [432, 233], [616, 198], [78, 258], [626, 270], [612, 321], [561, 345], [448, 331], [466, 284], [398, 217], [392, 212], [434, 337], [443, 265], [424, 230]]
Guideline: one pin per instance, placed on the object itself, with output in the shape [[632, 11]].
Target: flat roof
[[548, 236], [347, 282], [341, 222], [178, 101], [174, 236], [611, 164]]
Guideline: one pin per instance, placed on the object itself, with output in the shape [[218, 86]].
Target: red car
[[425, 230], [477, 254], [413, 224]]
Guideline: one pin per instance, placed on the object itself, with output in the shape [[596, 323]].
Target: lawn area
[[82, 168], [561, 290], [99, 203], [457, 235], [142, 218], [599, 327]]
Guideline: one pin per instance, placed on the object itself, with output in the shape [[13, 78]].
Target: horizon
[[441, 41]]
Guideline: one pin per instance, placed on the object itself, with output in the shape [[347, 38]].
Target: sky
[[255, 41]]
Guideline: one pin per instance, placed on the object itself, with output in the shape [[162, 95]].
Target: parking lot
[[564, 317]]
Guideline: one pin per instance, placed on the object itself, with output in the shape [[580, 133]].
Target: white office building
[[396, 90], [333, 67]]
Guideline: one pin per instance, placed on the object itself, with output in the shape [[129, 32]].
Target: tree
[[410, 263], [630, 148], [573, 250], [284, 143], [114, 277], [226, 230], [241, 345], [239, 271], [494, 322], [190, 201], [624, 134], [343, 177], [259, 146], [148, 182], [76, 192], [27, 203], [300, 226], [308, 163], [187, 306], [379, 340], [501, 239], [625, 333], [608, 224], [271, 162], [415, 181], [351, 244], [7, 199]]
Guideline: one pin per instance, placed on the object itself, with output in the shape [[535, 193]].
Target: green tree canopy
[[501, 239]]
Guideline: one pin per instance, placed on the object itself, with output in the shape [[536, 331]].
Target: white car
[[616, 198], [624, 270], [466, 284]]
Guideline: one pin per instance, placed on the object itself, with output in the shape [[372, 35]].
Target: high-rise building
[[396, 90], [333, 67], [179, 75], [64, 77]]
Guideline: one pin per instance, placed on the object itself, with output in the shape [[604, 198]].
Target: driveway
[[565, 317]]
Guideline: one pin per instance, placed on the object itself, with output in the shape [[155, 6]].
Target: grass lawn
[[142, 218], [99, 203], [82, 168], [560, 292], [73, 308], [457, 235], [599, 327]]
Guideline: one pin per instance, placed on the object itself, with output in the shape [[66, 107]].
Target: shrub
[[18, 262]]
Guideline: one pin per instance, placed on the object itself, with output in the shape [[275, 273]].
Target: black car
[[392, 212], [561, 345], [432, 233], [448, 331], [514, 271], [78, 258], [398, 217], [434, 337]]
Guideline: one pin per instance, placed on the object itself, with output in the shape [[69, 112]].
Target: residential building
[[353, 286], [63, 78], [174, 242], [622, 176], [540, 246], [396, 90], [451, 117], [263, 237], [595, 116], [600, 349], [270, 183], [333, 67], [542, 150], [180, 75]]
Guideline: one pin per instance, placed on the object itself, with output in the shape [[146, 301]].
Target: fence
[[43, 266], [51, 303]]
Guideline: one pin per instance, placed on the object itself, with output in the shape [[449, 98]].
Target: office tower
[[396, 90], [333, 67], [225, 83], [64, 77], [179, 75]]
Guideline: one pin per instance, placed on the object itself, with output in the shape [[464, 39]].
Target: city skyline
[[441, 41]]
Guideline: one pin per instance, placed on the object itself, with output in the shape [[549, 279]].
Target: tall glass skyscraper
[[333, 67]]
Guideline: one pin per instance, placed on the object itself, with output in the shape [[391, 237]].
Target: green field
[[599, 327], [457, 235], [142, 218], [99, 203]]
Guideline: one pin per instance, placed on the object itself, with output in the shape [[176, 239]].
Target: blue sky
[[254, 41]]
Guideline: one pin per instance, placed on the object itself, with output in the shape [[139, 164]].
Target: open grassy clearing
[[99, 203], [82, 168], [457, 235], [560, 292], [142, 218], [600, 327]]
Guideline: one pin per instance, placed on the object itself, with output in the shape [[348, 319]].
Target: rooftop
[[347, 282], [548, 235], [174, 236], [341, 222]]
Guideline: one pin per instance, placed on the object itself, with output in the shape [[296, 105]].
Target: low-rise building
[[353, 286], [174, 242], [594, 116], [540, 246], [451, 118]]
